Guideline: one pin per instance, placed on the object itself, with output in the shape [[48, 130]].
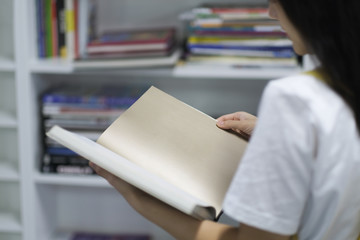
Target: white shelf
[[7, 120], [233, 73], [6, 65], [9, 223], [8, 172], [57, 65], [72, 180]]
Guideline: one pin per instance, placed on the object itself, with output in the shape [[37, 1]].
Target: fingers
[[230, 116], [240, 122], [231, 124], [225, 120]]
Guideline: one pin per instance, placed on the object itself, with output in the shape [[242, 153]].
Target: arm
[[178, 224], [240, 122]]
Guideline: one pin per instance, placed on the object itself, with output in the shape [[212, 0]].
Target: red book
[[76, 30], [133, 40]]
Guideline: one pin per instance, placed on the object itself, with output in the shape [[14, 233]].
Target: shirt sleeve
[[271, 185]]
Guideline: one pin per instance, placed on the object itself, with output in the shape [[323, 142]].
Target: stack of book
[[237, 37], [87, 111], [131, 45], [67, 29]]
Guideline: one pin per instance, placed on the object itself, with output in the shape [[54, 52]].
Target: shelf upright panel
[[24, 113], [10, 209]]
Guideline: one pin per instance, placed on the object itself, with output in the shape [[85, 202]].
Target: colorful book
[[132, 40]]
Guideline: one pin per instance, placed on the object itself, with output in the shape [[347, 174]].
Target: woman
[[300, 173]]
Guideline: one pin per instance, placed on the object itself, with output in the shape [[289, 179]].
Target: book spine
[[255, 28], [83, 25], [70, 28], [67, 169], [240, 33], [41, 28], [88, 103], [54, 29], [97, 43], [48, 29], [240, 10], [239, 47], [59, 110], [60, 7], [76, 28], [64, 159], [112, 48], [107, 97], [60, 151], [237, 52]]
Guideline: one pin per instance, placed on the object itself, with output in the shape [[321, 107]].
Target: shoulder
[[307, 88], [308, 94], [302, 85]]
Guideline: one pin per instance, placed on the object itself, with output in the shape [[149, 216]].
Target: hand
[[240, 122]]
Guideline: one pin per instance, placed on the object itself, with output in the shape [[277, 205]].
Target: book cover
[[176, 153]]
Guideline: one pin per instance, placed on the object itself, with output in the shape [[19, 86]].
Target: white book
[[168, 149]]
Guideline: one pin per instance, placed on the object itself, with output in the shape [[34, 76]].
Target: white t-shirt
[[301, 171]]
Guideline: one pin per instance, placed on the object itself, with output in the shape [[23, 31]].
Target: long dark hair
[[332, 30]]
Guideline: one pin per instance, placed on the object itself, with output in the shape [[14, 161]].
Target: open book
[[168, 149]]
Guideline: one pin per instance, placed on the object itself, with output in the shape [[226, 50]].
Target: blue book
[[40, 21], [239, 47], [107, 97]]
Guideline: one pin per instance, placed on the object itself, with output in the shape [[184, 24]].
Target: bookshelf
[[37, 206]]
